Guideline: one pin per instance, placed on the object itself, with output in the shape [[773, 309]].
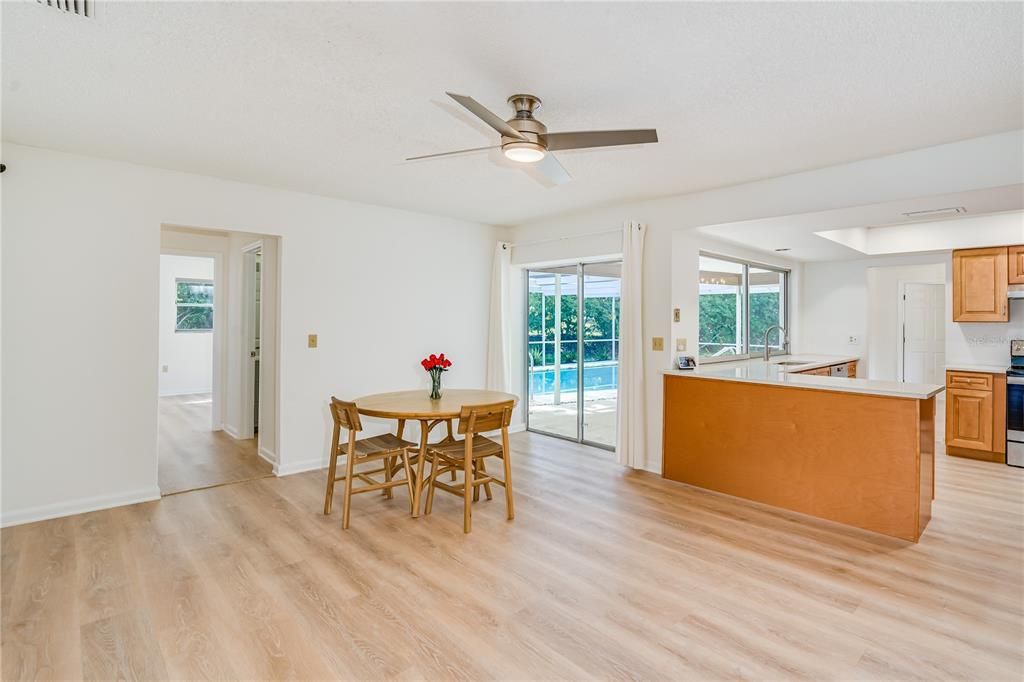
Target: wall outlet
[[854, 341], [680, 345], [312, 341], [658, 343], [163, 368]]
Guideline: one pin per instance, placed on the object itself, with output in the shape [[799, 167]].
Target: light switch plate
[[312, 340], [675, 315], [658, 343]]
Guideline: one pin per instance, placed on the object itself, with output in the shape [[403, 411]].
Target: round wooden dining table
[[417, 406]]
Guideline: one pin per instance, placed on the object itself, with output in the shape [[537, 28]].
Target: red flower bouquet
[[436, 364]]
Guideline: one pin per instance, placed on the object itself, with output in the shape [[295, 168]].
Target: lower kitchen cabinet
[[976, 415]]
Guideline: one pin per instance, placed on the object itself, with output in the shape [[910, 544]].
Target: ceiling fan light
[[523, 152]]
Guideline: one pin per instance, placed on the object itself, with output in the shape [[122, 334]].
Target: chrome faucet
[[785, 339]]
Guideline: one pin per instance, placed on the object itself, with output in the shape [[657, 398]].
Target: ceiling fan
[[526, 140]]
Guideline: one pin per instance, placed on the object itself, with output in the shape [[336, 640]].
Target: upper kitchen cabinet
[[1016, 264], [980, 280]]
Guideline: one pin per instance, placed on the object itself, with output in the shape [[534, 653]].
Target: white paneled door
[[924, 346]]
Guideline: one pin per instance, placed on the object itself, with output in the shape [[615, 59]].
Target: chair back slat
[[345, 414], [489, 417]]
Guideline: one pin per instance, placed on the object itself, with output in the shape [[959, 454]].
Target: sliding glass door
[[599, 334], [551, 351], [572, 355]]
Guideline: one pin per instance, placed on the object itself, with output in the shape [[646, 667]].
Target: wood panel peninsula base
[[859, 458]]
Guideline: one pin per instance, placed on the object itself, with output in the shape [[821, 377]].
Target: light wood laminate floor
[[603, 574], [192, 455]]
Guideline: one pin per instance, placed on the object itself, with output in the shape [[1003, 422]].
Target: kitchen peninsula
[[854, 451]]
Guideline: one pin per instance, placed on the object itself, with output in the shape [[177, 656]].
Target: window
[[738, 303], [194, 301]]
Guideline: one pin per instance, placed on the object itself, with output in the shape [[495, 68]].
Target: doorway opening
[[922, 318], [222, 309], [572, 351]]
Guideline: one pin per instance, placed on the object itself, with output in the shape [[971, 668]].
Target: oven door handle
[[1016, 381]]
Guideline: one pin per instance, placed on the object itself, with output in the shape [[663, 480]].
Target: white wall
[[187, 356], [381, 287], [884, 340], [837, 305], [992, 161], [838, 302]]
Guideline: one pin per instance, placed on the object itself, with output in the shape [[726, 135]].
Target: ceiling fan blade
[[460, 151], [487, 116], [598, 138], [551, 170]]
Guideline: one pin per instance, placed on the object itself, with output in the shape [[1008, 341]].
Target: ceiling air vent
[[83, 8], [936, 212]]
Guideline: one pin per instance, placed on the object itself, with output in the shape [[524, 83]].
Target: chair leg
[[476, 488], [487, 486], [508, 486], [430, 486], [467, 493], [332, 471], [347, 504], [388, 463], [408, 476]]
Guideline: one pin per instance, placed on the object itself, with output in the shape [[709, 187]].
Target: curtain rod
[[562, 239]]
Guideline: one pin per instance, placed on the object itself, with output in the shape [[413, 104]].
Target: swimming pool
[[596, 376]]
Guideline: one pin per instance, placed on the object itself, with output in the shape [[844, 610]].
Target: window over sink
[[738, 302]]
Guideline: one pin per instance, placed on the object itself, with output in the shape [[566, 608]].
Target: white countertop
[[988, 369], [772, 373]]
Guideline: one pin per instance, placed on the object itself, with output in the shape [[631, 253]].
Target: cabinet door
[[851, 369], [969, 418], [1016, 264], [980, 278]]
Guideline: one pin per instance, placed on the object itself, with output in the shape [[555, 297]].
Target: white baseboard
[[79, 506], [231, 431], [298, 467], [173, 394], [517, 428], [268, 455]]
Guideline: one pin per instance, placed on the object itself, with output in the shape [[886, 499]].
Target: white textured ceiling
[[330, 97]]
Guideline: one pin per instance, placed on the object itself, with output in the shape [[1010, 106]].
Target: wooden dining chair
[[385, 449], [469, 455]]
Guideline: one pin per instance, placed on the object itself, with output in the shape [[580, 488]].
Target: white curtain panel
[[631, 445], [499, 359]]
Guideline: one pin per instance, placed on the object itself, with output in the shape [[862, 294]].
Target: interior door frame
[[901, 320], [580, 294], [247, 421]]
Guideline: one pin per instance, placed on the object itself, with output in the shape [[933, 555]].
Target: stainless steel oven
[[1015, 405]]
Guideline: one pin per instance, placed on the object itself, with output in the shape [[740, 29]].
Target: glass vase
[[435, 385]]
